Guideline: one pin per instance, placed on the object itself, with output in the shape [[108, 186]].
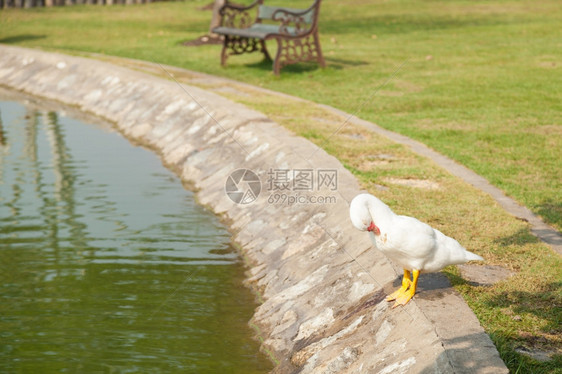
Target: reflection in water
[[106, 263], [2, 135]]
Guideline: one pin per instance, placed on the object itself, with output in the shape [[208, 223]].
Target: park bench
[[295, 30]]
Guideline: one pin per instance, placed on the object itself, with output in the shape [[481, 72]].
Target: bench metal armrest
[[303, 21], [295, 12], [240, 7], [237, 16]]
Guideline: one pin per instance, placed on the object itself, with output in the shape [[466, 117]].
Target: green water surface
[[106, 262]]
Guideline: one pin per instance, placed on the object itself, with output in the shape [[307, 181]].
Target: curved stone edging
[[322, 311]]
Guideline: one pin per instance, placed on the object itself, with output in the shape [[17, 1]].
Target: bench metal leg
[[265, 52], [320, 57], [224, 54], [277, 63], [293, 50], [237, 45]]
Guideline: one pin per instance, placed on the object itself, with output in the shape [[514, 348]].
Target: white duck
[[412, 244]]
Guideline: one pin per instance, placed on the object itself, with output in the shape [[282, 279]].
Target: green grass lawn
[[481, 83]]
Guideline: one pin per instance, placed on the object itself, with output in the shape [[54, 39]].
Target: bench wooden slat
[[266, 12], [258, 31]]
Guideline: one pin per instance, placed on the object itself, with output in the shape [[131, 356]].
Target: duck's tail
[[452, 252], [472, 257]]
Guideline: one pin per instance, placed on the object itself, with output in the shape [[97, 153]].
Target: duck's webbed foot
[[404, 297], [406, 283]]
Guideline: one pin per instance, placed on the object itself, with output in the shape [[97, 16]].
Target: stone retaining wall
[[321, 283]]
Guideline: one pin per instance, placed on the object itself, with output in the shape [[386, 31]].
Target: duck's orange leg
[[410, 292], [406, 282]]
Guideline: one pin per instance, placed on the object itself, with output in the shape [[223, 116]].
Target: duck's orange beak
[[374, 229]]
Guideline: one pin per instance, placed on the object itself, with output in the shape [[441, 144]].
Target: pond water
[[106, 262]]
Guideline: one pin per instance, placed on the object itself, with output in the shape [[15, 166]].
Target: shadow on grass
[[545, 304], [520, 238], [299, 68], [340, 63], [21, 38], [552, 211], [262, 64], [267, 65], [525, 236]]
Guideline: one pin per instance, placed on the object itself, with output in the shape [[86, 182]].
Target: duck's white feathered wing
[[408, 242], [416, 245], [448, 252]]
